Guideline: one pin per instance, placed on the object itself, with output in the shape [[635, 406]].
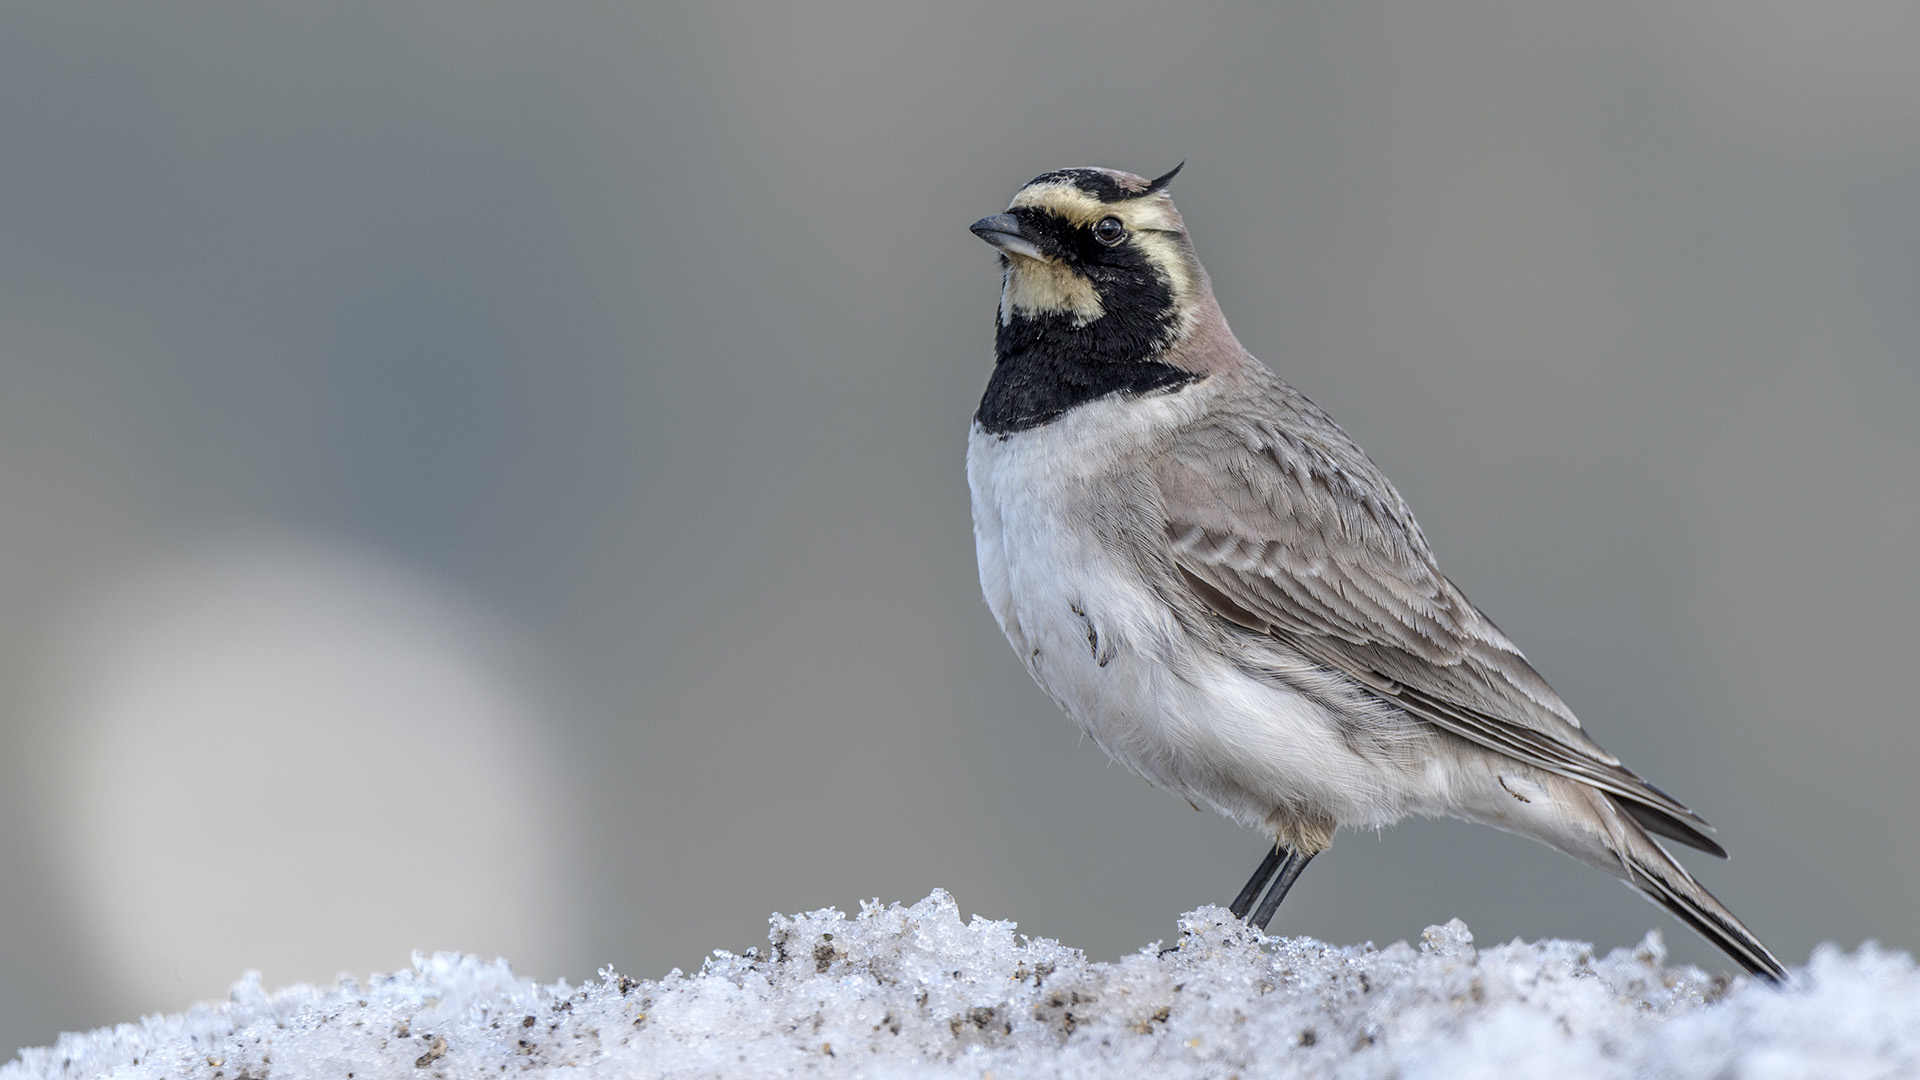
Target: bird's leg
[[1282, 881], [1242, 903]]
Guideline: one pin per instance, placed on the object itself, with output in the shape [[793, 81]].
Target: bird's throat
[[1046, 364]]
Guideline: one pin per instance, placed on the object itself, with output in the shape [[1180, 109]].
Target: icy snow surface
[[915, 992]]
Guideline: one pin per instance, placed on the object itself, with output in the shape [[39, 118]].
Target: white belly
[[1116, 660]]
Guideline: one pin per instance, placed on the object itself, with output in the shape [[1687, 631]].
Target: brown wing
[[1301, 537]]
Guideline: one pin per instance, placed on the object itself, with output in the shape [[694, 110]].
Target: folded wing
[[1305, 540]]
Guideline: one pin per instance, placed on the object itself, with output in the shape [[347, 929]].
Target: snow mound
[[915, 992]]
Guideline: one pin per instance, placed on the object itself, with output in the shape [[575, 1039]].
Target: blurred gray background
[[490, 477]]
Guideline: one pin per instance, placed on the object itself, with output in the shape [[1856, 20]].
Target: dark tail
[[1654, 873]]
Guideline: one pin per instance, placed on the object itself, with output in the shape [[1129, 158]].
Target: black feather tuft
[[1160, 183], [1101, 184]]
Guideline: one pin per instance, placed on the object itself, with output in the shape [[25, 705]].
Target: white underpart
[[1180, 716]]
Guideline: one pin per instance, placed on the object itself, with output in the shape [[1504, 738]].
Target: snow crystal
[[916, 992]]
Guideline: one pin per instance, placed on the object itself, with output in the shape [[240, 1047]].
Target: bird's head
[[1100, 259]]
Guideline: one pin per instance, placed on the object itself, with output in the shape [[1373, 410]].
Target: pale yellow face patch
[[1067, 201], [1045, 286]]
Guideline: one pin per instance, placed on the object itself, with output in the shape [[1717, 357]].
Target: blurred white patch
[[292, 759]]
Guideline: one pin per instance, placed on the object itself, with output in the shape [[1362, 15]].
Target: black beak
[[1003, 232]]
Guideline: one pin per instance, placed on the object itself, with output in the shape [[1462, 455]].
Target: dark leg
[[1257, 882], [1289, 873]]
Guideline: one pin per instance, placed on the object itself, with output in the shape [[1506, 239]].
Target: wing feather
[[1300, 536]]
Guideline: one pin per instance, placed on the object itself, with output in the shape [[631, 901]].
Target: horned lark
[[1220, 588]]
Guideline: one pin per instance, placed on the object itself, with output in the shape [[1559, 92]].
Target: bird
[[1221, 589]]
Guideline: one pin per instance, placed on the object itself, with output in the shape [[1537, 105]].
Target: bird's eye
[[1110, 231]]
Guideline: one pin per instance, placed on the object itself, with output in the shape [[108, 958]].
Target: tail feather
[[1655, 875], [1612, 834], [1671, 826]]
